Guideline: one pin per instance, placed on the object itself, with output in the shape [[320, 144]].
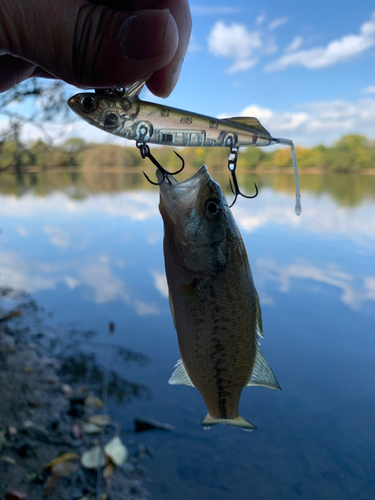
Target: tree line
[[351, 153]]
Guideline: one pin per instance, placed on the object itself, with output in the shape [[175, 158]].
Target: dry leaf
[[93, 402], [93, 458], [91, 428], [65, 457], [100, 419], [8, 460], [66, 389], [77, 430], [116, 451]]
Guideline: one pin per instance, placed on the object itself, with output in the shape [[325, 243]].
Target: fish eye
[[111, 120], [213, 207], [88, 103]]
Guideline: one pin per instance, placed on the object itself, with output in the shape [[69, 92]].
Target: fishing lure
[[119, 111]]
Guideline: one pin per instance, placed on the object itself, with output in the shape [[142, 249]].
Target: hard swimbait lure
[[119, 111]]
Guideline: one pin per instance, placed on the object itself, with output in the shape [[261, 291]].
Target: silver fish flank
[[213, 299]]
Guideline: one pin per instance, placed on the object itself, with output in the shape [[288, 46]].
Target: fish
[[213, 300], [119, 111]]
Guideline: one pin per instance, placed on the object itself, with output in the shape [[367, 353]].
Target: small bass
[[213, 299]]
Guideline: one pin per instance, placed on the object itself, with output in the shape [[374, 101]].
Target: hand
[[94, 46]]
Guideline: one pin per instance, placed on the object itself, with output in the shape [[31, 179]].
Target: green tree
[[350, 153]]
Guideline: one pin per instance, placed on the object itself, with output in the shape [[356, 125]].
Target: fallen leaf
[[77, 430], [100, 419], [116, 451], [93, 402], [64, 469], [108, 473], [65, 457], [91, 428], [66, 389], [93, 458], [8, 460]]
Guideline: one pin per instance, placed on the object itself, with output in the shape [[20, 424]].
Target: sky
[[306, 70]]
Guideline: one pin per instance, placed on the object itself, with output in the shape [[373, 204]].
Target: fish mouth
[[178, 196]]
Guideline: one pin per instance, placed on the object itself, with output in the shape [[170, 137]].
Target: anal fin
[[262, 373], [180, 376]]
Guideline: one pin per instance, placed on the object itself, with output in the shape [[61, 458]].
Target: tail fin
[[208, 422]]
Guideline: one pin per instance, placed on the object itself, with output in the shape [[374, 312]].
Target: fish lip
[[179, 196]]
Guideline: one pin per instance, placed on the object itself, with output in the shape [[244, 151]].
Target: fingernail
[[175, 76], [145, 34]]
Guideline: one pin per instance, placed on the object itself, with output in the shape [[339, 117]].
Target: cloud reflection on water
[[79, 225], [353, 290]]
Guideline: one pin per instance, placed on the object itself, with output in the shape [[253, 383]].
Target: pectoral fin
[[180, 376], [250, 122], [262, 373]]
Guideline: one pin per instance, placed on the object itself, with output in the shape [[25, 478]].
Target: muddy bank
[[49, 429]]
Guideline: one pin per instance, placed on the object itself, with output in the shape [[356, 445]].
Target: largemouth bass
[[213, 299]]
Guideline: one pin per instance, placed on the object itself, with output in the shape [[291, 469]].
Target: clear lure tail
[[288, 142]]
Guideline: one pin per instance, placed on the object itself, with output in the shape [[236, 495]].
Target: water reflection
[[89, 248]]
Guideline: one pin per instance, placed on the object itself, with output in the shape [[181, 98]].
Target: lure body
[[125, 115]]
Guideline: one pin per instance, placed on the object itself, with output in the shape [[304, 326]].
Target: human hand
[[94, 46]]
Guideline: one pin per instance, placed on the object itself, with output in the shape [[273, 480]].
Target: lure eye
[[88, 103], [111, 120], [213, 207]]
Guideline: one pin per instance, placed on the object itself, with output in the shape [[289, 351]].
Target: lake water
[[88, 247]]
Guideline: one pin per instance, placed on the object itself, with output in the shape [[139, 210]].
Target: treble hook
[[232, 165], [145, 153]]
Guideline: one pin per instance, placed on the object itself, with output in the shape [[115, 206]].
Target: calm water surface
[[89, 249]]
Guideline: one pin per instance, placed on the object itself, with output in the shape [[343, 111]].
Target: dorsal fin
[[251, 122], [135, 89]]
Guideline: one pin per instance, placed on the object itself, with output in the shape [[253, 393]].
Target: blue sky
[[306, 70]]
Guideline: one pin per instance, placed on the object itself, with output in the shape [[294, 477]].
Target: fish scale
[[213, 299]]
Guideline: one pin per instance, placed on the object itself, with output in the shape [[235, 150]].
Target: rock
[[148, 424], [15, 495]]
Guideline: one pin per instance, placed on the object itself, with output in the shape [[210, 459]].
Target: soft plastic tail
[[288, 142], [208, 422]]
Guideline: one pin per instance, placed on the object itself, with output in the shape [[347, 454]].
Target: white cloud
[[353, 291], [340, 50], [202, 10], [260, 19], [22, 231], [236, 42], [160, 283], [369, 90], [317, 122], [19, 275], [277, 22], [295, 45], [57, 236]]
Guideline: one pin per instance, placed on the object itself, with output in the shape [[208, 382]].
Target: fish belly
[[215, 319]]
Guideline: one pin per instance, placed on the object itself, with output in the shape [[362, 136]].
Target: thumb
[[94, 46]]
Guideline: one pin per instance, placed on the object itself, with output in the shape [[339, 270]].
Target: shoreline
[[138, 169], [47, 428]]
